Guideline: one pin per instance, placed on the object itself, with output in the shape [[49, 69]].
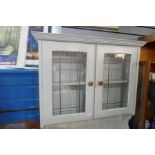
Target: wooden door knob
[[90, 83], [100, 83]]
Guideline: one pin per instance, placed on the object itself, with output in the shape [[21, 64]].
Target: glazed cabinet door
[[116, 79], [67, 82]]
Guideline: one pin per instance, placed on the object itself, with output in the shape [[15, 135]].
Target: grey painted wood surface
[[87, 39], [124, 32]]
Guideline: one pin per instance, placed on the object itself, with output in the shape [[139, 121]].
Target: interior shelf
[[83, 83], [116, 82], [69, 83]]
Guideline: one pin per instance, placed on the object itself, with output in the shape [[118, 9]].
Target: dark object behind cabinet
[[152, 94]]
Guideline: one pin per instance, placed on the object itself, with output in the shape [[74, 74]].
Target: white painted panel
[[117, 122]]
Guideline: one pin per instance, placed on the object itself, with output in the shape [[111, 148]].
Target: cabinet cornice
[[86, 39]]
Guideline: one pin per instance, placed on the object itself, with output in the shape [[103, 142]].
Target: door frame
[[101, 50], [46, 113]]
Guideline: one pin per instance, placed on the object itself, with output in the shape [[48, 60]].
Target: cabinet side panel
[[136, 79], [41, 83]]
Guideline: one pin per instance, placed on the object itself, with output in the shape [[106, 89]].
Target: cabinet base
[[119, 122]]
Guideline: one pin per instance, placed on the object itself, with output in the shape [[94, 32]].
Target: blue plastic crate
[[19, 116], [19, 95]]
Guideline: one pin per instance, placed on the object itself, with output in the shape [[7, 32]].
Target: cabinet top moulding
[[86, 39]]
